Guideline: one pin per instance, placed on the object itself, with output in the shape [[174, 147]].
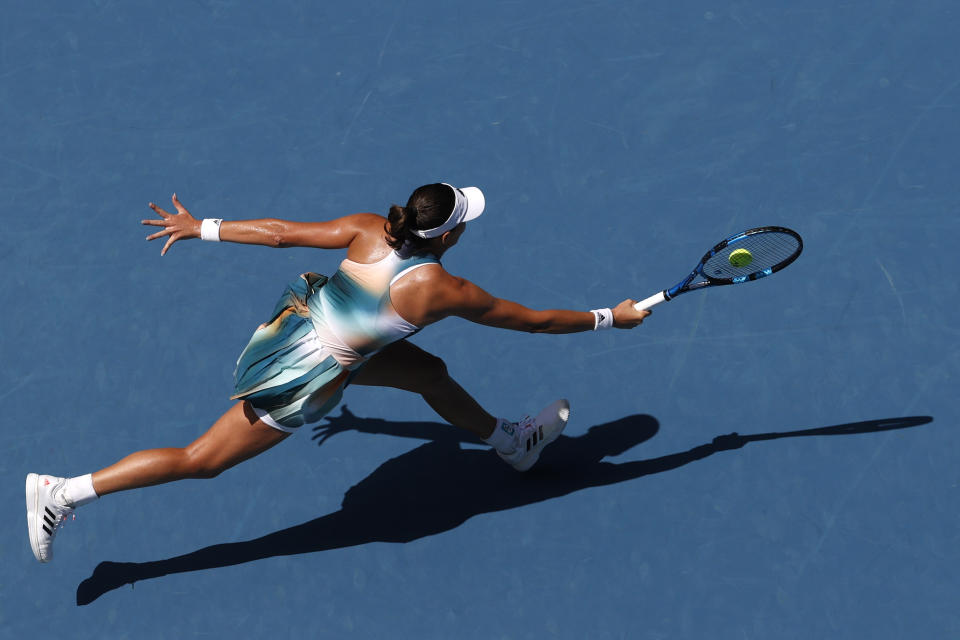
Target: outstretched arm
[[460, 297], [270, 232]]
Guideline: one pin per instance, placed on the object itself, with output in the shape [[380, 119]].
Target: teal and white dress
[[296, 365]]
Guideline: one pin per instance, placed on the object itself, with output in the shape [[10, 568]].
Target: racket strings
[[768, 250]]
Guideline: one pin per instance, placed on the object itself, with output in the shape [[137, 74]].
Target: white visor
[[468, 204]]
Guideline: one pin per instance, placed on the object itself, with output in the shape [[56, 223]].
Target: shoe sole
[[33, 506], [559, 411]]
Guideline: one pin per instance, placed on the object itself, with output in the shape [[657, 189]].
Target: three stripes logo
[[51, 521], [536, 437]]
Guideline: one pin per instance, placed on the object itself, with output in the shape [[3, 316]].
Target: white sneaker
[[45, 513], [533, 434]]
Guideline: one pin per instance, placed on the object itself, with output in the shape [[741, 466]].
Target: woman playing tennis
[[325, 334]]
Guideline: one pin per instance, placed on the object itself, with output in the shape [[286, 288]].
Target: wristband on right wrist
[[602, 319]]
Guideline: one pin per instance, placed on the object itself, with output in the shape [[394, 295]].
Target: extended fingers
[[174, 237], [180, 207], [160, 212], [160, 234], [168, 221], [163, 222]]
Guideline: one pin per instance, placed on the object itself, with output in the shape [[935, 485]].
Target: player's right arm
[[453, 296]]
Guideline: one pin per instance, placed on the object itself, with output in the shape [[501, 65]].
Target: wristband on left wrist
[[210, 229]]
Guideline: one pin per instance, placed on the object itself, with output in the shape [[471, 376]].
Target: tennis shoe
[[46, 511], [533, 434]]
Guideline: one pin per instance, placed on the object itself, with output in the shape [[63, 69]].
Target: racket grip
[[652, 301]]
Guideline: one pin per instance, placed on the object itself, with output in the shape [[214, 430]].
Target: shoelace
[[63, 514], [62, 520]]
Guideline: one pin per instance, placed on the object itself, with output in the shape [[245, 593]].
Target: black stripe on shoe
[[49, 533], [50, 522]]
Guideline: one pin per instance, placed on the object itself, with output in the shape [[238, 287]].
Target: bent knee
[[430, 372]]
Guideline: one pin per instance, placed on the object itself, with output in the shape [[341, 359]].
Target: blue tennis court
[[615, 143]]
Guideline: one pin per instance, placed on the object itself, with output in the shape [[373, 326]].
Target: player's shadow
[[439, 485]]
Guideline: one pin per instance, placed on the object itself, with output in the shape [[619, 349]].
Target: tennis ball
[[740, 257]]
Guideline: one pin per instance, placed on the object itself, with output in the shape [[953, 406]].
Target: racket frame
[[688, 284]]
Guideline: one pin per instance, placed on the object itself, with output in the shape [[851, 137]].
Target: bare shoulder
[[429, 277], [421, 297], [368, 243], [449, 294]]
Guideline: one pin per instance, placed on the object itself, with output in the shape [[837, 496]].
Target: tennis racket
[[744, 257]]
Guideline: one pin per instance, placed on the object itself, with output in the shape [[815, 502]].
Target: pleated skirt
[[286, 374]]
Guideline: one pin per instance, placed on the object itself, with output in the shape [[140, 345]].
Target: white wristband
[[210, 229], [602, 319]]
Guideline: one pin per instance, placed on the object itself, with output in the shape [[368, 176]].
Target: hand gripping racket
[[743, 257]]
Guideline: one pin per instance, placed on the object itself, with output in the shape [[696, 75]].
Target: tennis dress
[[296, 365]]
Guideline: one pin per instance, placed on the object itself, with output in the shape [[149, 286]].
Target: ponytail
[[400, 222], [427, 208], [397, 225]]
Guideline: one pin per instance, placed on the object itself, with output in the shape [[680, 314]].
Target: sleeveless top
[[352, 313]]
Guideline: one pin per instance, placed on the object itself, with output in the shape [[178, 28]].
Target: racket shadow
[[402, 500]]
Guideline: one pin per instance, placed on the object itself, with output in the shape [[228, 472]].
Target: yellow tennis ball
[[740, 257]]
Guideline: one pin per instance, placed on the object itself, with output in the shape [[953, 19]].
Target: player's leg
[[237, 436], [403, 365]]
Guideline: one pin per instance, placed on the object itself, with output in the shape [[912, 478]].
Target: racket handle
[[652, 301]]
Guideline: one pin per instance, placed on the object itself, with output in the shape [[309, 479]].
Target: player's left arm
[[270, 232]]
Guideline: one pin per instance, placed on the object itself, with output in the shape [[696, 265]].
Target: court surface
[[616, 141]]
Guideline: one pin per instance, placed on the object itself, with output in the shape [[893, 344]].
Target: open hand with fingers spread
[[176, 226]]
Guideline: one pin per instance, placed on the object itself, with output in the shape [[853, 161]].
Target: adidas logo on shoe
[[533, 434]]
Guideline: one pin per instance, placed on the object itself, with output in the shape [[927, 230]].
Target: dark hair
[[428, 207]]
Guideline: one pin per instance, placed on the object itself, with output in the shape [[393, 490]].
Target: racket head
[[771, 248]]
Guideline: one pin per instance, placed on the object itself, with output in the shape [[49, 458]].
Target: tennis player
[[325, 334]]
